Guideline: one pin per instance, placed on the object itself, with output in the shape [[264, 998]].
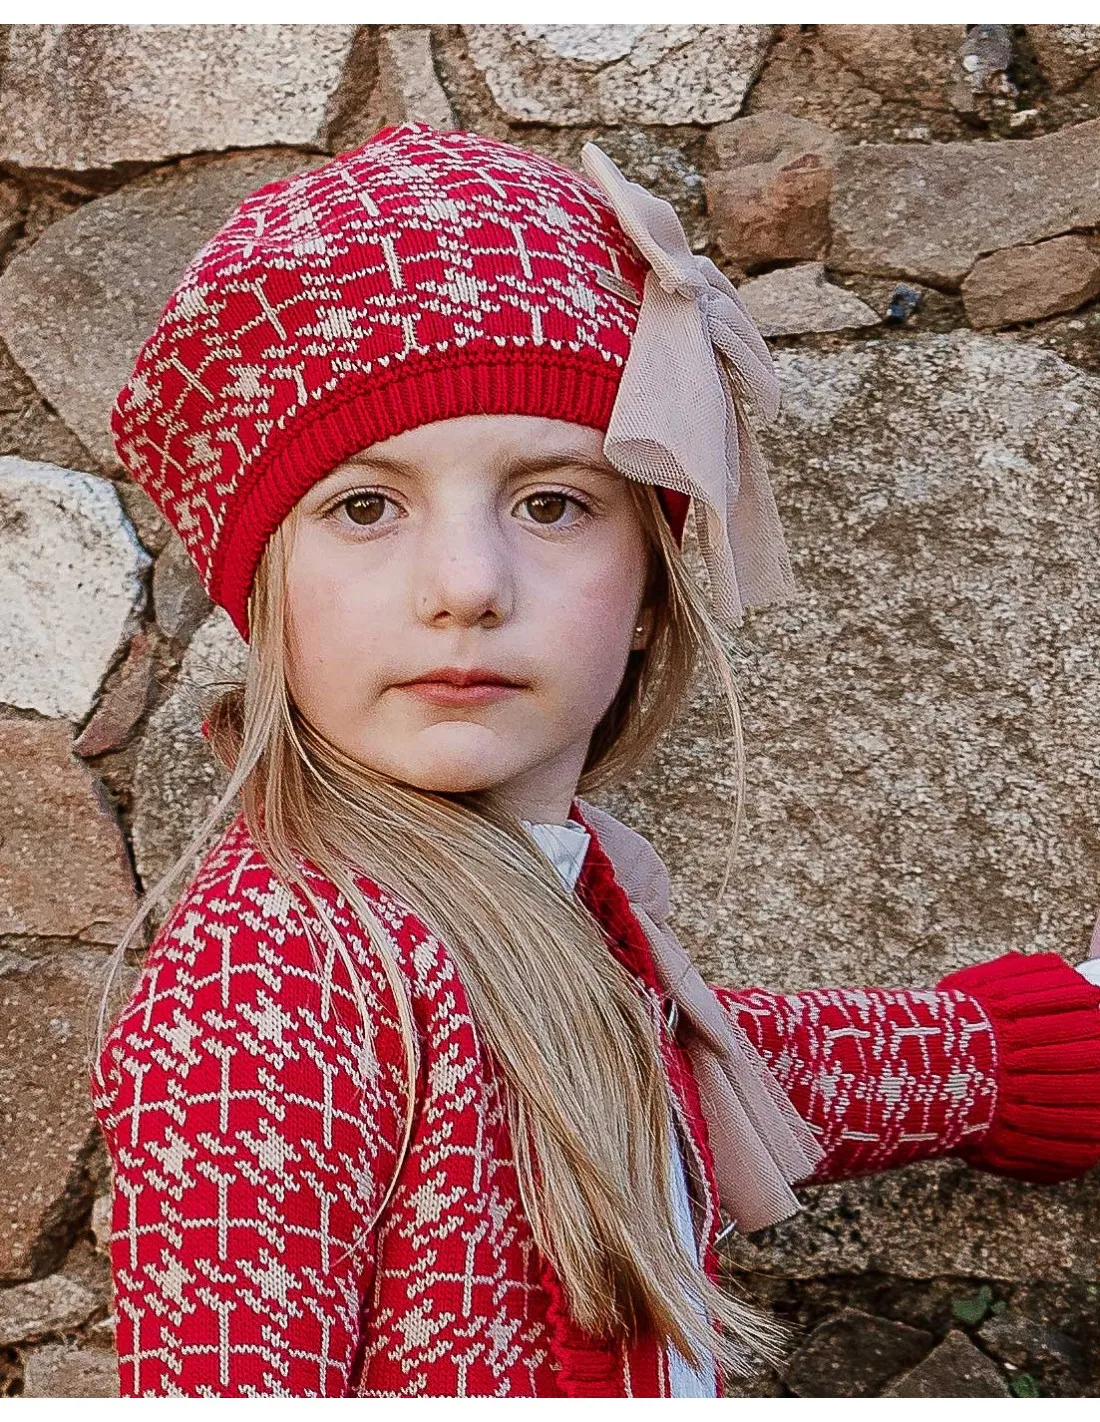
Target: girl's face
[[501, 543]]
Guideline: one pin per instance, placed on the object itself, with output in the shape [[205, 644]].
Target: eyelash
[[582, 504]]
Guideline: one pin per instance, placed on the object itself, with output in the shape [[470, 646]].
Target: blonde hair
[[575, 1042]]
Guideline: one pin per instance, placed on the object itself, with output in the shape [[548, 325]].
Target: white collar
[[564, 845]]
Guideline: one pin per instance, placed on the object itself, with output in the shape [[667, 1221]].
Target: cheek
[[330, 625], [597, 623]]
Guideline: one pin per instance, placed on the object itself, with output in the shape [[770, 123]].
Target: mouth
[[457, 686]]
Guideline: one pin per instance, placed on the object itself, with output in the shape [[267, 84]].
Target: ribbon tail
[[754, 530], [670, 426]]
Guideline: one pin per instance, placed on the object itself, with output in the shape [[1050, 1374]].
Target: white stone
[[793, 300], [71, 585], [581, 74], [88, 96]]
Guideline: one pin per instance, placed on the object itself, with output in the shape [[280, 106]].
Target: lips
[[458, 676]]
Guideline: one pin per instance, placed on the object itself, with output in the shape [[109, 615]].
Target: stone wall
[[911, 213]]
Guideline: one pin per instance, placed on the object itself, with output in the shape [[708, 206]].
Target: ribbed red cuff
[[1046, 1023]]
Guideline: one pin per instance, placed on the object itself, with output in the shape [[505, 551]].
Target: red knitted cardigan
[[251, 1136]]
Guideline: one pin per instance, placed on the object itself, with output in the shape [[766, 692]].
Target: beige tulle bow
[[761, 1146], [696, 364]]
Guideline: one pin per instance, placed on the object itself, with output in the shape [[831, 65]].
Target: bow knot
[[696, 364]]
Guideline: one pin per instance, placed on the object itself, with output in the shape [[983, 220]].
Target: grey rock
[[930, 210], [853, 1354], [955, 1369], [71, 572], [102, 1208], [409, 90], [793, 300], [52, 1305], [579, 74], [29, 428], [937, 1218], [180, 602], [177, 778], [61, 1370], [89, 96], [76, 306], [1022, 1343], [46, 1006]]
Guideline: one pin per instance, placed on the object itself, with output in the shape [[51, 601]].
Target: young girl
[[417, 1093]]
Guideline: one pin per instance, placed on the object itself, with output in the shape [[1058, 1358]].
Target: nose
[[463, 572]]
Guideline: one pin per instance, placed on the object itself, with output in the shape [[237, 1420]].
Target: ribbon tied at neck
[[759, 1143]]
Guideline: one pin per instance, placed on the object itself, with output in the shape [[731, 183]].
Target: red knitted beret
[[424, 275]]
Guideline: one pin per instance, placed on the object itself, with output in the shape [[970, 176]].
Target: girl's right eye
[[362, 508]]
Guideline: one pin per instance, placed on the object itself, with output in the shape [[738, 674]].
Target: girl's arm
[[251, 1139], [999, 1064]]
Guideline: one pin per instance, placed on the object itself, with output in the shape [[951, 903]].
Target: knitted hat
[[424, 275]]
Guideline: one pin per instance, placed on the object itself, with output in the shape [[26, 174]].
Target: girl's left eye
[[548, 505]]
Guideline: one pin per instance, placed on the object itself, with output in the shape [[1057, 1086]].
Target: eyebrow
[[522, 464]]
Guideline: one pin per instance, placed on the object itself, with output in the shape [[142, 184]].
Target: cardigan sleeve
[[252, 1129], [998, 1065]]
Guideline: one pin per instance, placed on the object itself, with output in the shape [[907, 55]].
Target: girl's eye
[[363, 507], [548, 505]]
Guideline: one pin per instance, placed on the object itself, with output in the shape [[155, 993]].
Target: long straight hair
[[574, 1041]]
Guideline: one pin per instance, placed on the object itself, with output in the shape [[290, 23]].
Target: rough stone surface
[[101, 1222], [51, 1305], [918, 64], [178, 778], [76, 306], [769, 195], [63, 868], [929, 211], [47, 1006], [29, 428], [1028, 283], [88, 96], [852, 1355], [409, 90], [1066, 53], [179, 600], [578, 74], [1023, 1343], [123, 703], [955, 1369], [920, 720], [793, 300], [60, 1370], [71, 588]]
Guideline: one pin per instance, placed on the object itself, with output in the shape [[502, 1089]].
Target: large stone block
[[71, 571], [76, 306], [930, 210], [580, 74], [921, 718], [89, 96]]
